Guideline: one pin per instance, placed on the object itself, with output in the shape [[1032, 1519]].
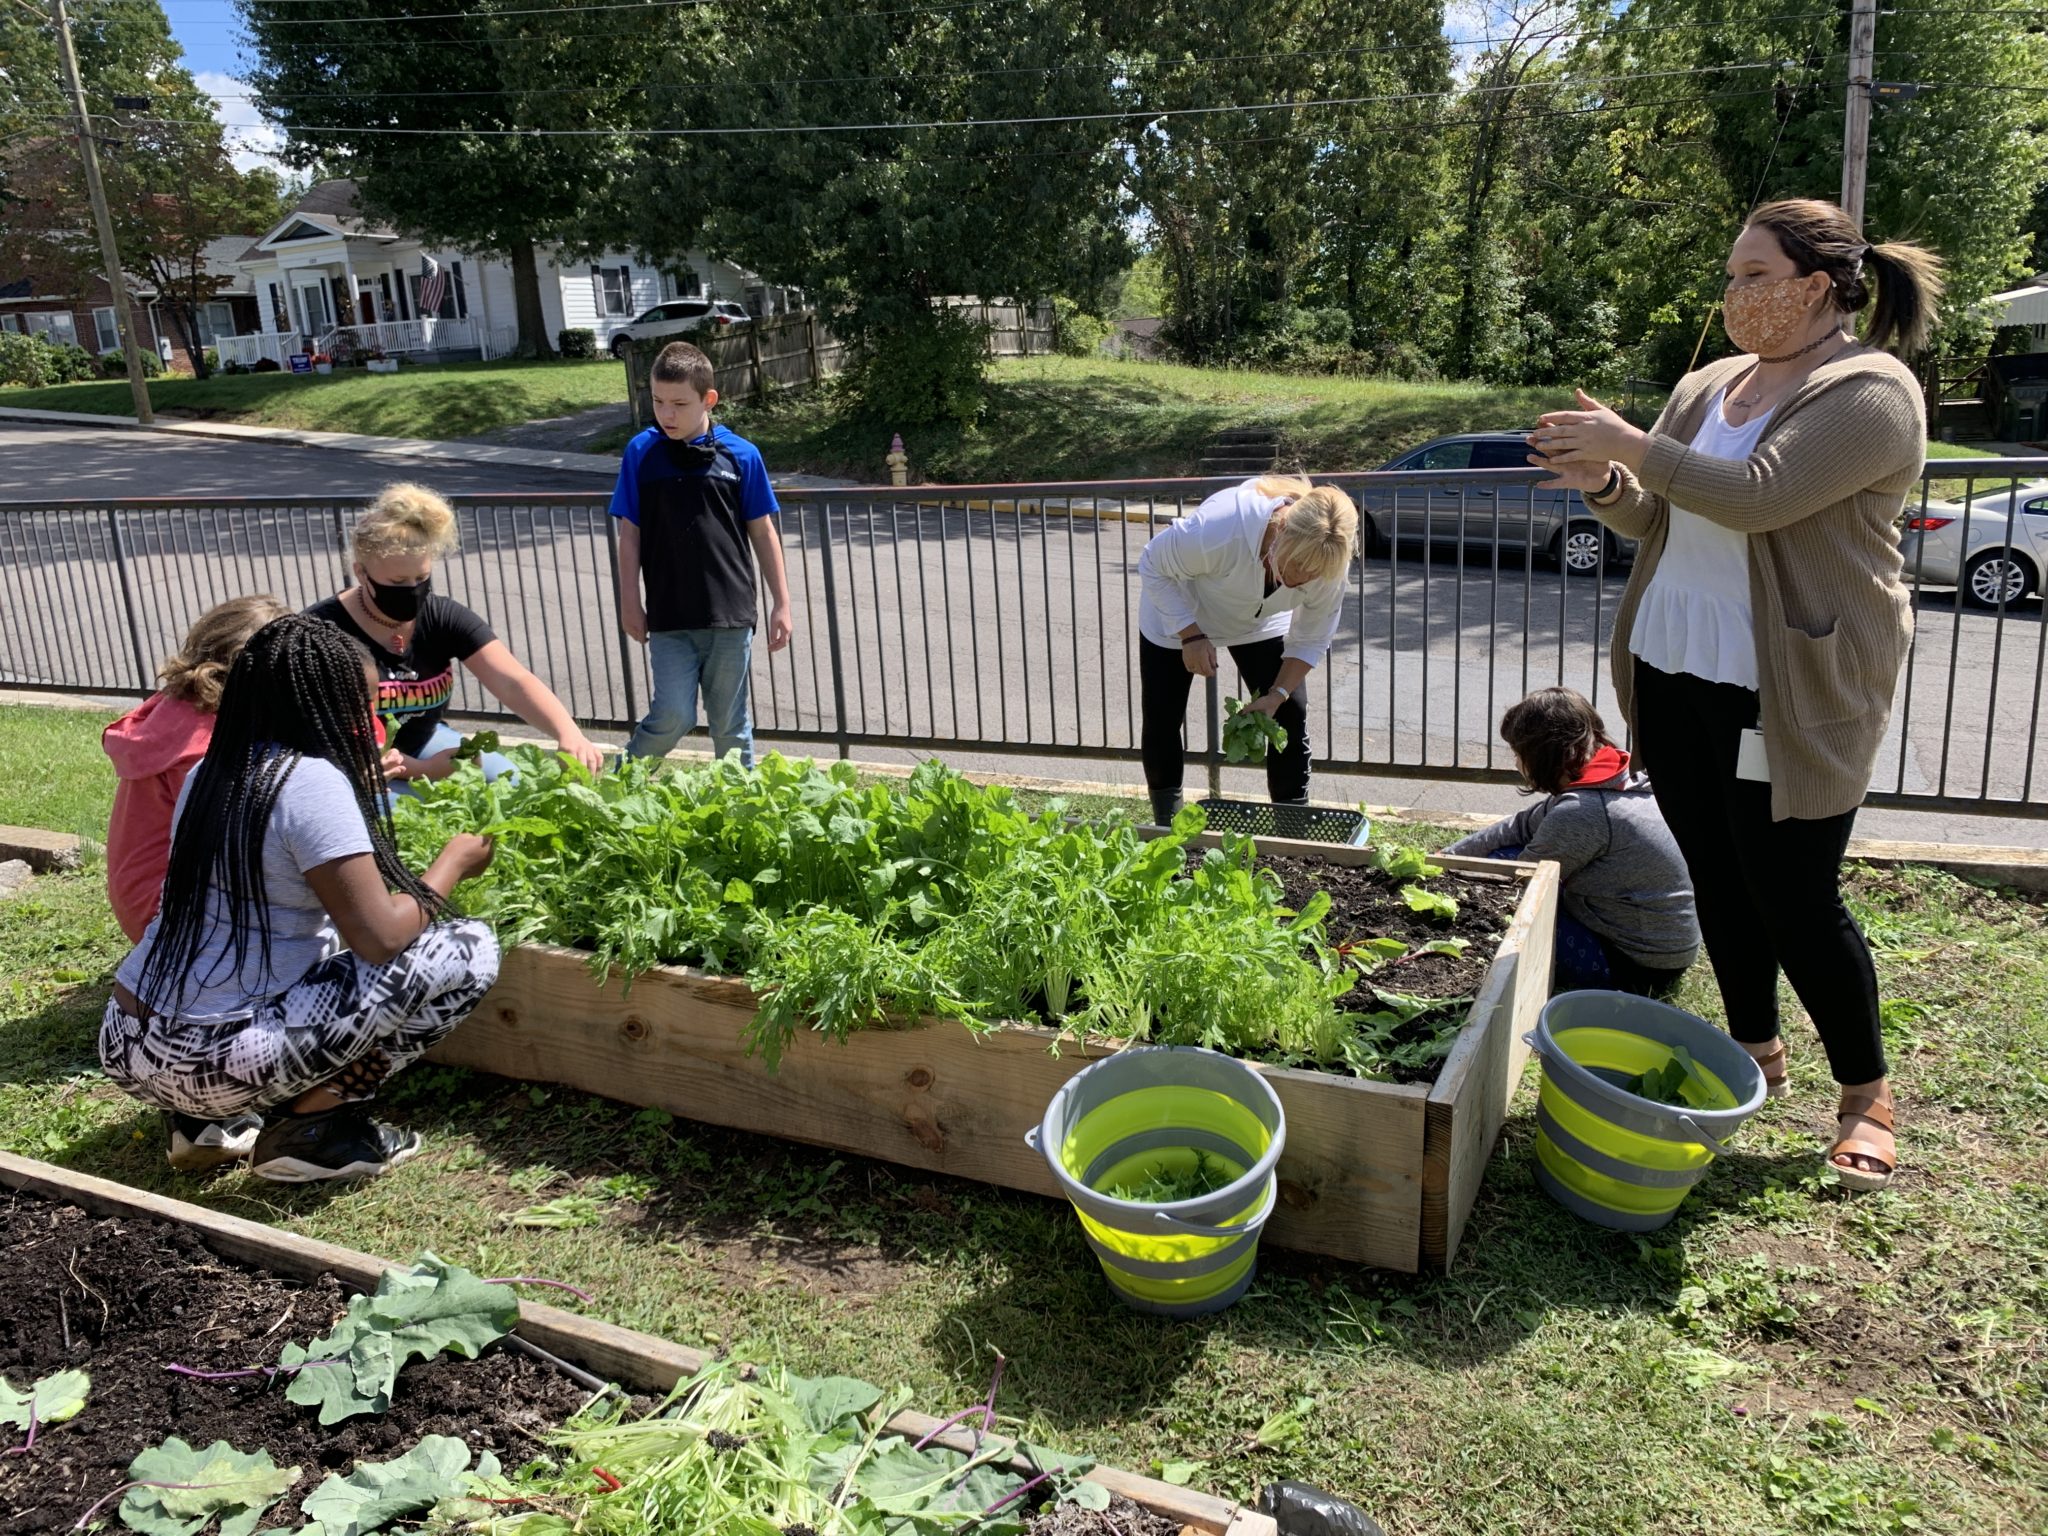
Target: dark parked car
[[1504, 515]]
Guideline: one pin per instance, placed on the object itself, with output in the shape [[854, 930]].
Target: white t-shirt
[[1695, 618], [315, 821]]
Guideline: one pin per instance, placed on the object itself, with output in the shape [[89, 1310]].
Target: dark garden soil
[[1122, 1518], [121, 1299], [1365, 904]]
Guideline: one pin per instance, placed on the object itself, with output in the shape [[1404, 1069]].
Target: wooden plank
[[932, 1096], [634, 1359], [1470, 1099]]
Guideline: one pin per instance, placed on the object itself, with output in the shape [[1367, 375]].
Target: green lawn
[[52, 771], [1067, 418], [1783, 1359], [452, 400]]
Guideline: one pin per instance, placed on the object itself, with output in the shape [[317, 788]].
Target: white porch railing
[[246, 350], [427, 335]]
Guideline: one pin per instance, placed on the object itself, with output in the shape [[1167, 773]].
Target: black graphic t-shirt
[[692, 502], [414, 688]]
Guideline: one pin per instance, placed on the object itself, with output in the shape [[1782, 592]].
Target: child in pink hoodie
[[156, 745]]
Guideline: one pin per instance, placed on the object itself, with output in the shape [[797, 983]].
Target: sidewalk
[[601, 467]]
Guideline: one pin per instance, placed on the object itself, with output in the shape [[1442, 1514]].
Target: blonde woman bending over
[[416, 636], [1258, 570]]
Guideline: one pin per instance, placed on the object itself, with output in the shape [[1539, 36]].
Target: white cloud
[[251, 141]]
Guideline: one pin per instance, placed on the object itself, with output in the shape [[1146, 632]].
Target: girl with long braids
[[295, 963]]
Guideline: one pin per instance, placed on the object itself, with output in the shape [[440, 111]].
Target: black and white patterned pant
[[339, 1013]]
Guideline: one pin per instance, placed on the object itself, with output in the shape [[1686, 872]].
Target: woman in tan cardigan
[[1766, 593]]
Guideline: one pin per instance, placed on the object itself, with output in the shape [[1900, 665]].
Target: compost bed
[[136, 1296], [139, 1281], [1381, 1173]]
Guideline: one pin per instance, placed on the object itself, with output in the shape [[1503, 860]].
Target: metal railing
[[1003, 619]]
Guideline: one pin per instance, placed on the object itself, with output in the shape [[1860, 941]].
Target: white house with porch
[[326, 271]]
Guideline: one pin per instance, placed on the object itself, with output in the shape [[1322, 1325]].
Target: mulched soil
[[1122, 1518], [134, 1296]]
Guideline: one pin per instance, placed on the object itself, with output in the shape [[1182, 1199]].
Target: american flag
[[433, 285]]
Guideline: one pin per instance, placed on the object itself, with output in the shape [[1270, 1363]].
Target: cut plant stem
[[560, 1285], [86, 1519], [30, 1443], [253, 1370], [1015, 1495]]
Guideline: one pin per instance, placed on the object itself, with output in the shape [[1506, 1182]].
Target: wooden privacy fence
[[794, 350]]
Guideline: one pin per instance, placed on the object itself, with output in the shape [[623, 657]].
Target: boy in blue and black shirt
[[695, 512]]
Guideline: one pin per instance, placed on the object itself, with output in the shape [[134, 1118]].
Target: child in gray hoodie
[[1628, 923]]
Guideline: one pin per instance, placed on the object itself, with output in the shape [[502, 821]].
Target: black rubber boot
[[1165, 806]]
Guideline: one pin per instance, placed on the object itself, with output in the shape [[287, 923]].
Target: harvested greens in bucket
[[1168, 1156]]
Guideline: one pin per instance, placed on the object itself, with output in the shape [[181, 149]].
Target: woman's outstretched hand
[[1579, 446]]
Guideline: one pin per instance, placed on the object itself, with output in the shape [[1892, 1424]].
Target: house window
[[613, 289], [57, 325], [685, 284], [454, 296], [216, 320], [280, 317], [459, 290], [105, 331], [10, 323]]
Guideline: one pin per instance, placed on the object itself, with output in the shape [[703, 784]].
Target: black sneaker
[[342, 1143], [197, 1145]]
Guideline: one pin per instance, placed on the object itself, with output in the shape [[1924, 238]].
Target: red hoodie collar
[[1607, 763]]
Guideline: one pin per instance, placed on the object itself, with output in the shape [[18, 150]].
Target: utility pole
[[109, 252], [1856, 134]]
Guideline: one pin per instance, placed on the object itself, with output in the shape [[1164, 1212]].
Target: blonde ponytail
[[405, 519]]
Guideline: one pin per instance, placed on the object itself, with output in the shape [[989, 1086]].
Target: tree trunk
[[534, 340]]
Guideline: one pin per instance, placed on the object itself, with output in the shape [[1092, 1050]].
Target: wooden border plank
[[624, 1355]]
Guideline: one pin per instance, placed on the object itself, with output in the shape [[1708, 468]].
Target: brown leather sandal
[[1874, 1109], [1777, 1081]]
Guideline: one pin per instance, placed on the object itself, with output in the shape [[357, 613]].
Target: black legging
[[1163, 682], [1769, 892]]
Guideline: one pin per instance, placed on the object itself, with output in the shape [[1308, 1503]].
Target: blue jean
[[683, 660], [1582, 961]]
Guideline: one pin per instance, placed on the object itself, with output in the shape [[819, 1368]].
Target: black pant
[[1769, 892], [1163, 682]]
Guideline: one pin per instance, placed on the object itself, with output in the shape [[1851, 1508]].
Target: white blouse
[[1695, 618]]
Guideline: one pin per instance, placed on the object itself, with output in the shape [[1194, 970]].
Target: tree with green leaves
[[432, 106]]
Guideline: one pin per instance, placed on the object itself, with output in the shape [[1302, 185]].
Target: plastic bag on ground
[[1301, 1510]]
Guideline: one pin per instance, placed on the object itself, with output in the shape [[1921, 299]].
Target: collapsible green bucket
[[1614, 1157], [1153, 1110]]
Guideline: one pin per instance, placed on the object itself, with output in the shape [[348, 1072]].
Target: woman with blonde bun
[[416, 636], [1257, 569]]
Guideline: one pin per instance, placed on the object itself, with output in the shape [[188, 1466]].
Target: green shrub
[[1080, 333], [266, 365], [931, 369], [210, 356], [72, 364], [24, 360], [577, 341], [114, 365]]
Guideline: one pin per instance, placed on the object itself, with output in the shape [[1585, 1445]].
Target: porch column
[[348, 278]]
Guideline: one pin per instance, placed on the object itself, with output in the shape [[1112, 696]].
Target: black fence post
[[1213, 694], [611, 548], [143, 676], [832, 634]]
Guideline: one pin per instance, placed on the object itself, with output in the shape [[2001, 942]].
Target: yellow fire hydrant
[[898, 461]]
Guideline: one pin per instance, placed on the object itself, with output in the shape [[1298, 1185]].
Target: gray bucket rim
[[1230, 1197], [1721, 1122]]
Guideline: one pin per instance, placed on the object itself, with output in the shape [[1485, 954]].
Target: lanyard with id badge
[[1751, 761]]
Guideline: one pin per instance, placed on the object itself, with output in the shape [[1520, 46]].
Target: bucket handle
[[1181, 1228], [1697, 1131], [1031, 1138]]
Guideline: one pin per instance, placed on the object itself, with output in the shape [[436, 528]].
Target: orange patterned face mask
[[1763, 317]]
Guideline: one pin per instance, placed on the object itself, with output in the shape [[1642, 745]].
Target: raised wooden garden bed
[[634, 1360], [1375, 1173]]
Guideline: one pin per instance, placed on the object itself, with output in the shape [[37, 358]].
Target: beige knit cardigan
[[1819, 497]]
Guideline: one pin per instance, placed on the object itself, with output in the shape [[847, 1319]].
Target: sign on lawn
[[302, 362]]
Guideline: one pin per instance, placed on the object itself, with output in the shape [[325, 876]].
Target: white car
[[1993, 548], [679, 317]]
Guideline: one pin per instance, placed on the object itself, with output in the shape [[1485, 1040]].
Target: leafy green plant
[[565, 1211], [1666, 1084], [50, 1400], [174, 1490], [373, 1494], [431, 1308], [1405, 864], [1431, 904], [1248, 733], [1168, 1182], [474, 747]]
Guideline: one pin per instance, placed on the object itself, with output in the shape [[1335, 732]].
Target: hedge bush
[[576, 342]]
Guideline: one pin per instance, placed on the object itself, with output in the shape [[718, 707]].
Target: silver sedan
[[1993, 548]]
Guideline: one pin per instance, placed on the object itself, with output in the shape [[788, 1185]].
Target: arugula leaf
[[474, 747], [1405, 864], [431, 1308], [1431, 904], [198, 1486], [374, 1494], [1666, 1084], [51, 1400]]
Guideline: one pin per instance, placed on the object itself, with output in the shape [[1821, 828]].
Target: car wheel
[[621, 345], [1996, 576], [1371, 541], [1581, 549]]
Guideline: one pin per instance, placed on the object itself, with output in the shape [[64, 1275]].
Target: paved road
[[987, 629], [67, 462]]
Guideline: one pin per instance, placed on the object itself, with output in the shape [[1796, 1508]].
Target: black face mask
[[398, 604]]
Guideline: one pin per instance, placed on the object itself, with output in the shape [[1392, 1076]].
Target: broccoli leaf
[[50, 1401], [194, 1487], [376, 1493]]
